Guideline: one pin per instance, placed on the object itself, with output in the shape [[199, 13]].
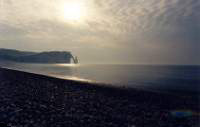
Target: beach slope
[[34, 100]]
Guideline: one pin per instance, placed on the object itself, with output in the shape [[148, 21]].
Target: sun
[[73, 11]]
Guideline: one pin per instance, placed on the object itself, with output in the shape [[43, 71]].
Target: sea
[[161, 78]]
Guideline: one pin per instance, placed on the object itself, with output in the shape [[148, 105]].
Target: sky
[[105, 31]]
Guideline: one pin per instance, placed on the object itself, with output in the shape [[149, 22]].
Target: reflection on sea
[[67, 65], [164, 78], [72, 78]]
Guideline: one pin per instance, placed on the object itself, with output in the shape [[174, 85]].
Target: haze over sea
[[163, 78]]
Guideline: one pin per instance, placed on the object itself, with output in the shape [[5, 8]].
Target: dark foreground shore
[[40, 101]]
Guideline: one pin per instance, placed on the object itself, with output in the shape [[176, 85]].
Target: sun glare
[[74, 11]]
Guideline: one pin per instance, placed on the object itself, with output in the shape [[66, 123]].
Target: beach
[[29, 99]]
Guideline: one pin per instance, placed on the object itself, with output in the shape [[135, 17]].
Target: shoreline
[[85, 81], [29, 96]]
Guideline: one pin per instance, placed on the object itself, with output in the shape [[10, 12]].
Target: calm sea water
[[164, 78]]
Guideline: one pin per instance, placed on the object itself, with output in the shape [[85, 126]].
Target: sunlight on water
[[179, 79], [68, 65], [72, 78], [78, 79]]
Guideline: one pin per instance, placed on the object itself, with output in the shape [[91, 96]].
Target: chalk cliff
[[36, 57]]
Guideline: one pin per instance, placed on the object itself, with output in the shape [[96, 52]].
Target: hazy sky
[[105, 31]]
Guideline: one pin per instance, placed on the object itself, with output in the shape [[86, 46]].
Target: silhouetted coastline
[[36, 57], [35, 100]]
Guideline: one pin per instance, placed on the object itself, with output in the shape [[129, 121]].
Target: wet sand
[[41, 101]]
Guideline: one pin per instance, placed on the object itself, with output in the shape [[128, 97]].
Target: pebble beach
[[32, 100]]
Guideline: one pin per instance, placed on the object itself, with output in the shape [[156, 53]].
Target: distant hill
[[35, 57]]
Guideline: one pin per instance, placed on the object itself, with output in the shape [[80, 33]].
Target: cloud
[[128, 30], [142, 15]]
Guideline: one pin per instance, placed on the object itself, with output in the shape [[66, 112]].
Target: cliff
[[35, 57]]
